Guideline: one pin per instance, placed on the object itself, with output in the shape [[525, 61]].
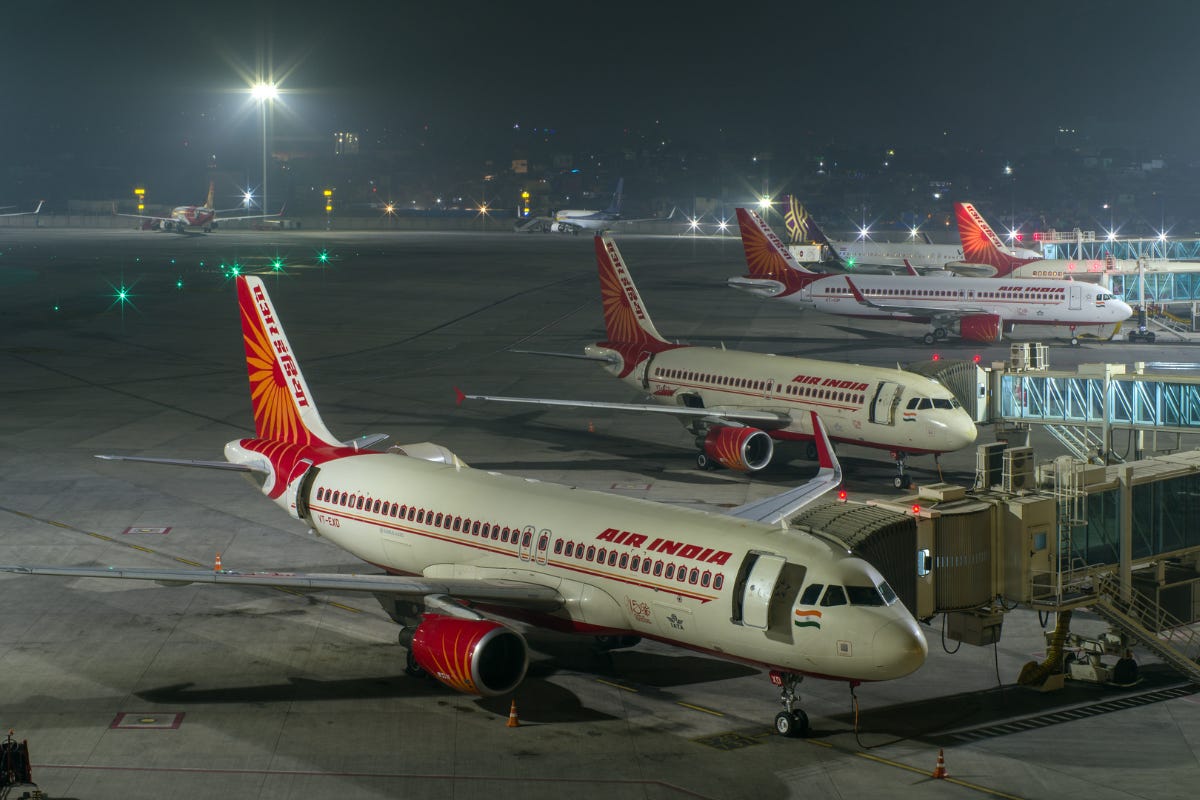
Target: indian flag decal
[[808, 619]]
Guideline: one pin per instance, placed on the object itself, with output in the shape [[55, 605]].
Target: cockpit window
[[889, 596], [926, 403], [811, 593], [834, 596], [864, 596], [940, 403], [913, 403]]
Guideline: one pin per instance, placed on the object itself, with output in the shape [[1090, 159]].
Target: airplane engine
[[473, 656], [743, 449], [981, 328]]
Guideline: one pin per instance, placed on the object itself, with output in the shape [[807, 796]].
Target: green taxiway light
[[323, 256]]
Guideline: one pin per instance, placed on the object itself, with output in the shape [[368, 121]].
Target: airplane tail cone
[[940, 770], [217, 563], [513, 722]]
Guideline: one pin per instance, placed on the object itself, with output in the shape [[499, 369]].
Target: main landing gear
[[936, 335], [901, 481], [791, 722], [1074, 338]]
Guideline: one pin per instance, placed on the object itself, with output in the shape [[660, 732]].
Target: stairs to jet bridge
[[1170, 639]]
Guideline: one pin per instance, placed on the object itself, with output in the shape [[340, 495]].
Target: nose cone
[[898, 649], [1121, 310]]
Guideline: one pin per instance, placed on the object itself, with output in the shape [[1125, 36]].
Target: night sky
[[105, 82]]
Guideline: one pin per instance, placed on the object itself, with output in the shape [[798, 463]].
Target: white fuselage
[[623, 565], [922, 256], [868, 406], [1069, 304], [1097, 269]]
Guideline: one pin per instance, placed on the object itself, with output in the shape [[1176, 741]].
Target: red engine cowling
[[744, 449], [981, 328], [473, 656]]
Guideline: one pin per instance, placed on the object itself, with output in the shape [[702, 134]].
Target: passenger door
[[883, 408], [758, 588]]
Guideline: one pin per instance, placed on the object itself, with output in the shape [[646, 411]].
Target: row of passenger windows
[[636, 563], [835, 595], [817, 393], [704, 377], [512, 535], [450, 522], [944, 293]]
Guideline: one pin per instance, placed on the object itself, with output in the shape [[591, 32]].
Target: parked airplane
[[193, 219], [35, 212], [924, 257], [574, 220], [458, 543], [738, 404], [977, 309], [978, 242]]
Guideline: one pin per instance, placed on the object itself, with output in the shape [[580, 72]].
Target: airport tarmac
[[126, 690]]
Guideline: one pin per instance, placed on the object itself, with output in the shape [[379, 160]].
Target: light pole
[[262, 92]]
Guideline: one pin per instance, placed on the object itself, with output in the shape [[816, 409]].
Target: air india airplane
[[977, 309], [925, 257], [195, 219], [460, 546], [979, 247], [738, 404]]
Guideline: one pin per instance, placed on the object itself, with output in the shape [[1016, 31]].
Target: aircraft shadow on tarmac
[[979, 715]]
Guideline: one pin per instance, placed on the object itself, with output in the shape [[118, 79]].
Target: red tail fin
[[625, 317], [767, 257], [284, 410], [978, 241]]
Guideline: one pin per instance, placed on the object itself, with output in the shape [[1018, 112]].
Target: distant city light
[[1007, 169]]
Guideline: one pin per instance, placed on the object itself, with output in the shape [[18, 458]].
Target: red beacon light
[[976, 358], [916, 509], [841, 495], [937, 356]]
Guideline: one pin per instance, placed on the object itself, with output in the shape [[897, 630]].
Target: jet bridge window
[[834, 596]]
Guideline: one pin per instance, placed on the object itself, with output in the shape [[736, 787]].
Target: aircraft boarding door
[[298, 486], [1076, 296], [526, 546], [883, 408], [760, 586], [543, 544]]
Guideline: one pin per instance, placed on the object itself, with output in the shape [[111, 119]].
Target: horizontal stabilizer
[[183, 462]]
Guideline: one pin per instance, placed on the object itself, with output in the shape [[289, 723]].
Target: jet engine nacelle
[[473, 656], [981, 328], [743, 449]]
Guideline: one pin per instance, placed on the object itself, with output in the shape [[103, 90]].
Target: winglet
[[38, 210], [909, 268], [825, 456], [459, 396], [854, 291]]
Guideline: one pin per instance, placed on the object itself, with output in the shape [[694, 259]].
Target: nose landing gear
[[791, 722], [901, 481]]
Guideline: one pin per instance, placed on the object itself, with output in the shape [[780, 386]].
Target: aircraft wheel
[[703, 461], [1149, 337], [791, 724], [940, 333], [810, 451], [898, 481], [1074, 341], [928, 338]]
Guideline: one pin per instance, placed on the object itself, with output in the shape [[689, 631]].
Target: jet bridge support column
[[1125, 547]]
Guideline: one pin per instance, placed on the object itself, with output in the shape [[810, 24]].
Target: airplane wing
[[940, 312], [276, 215], [760, 286], [646, 219], [781, 506], [736, 416], [35, 212], [516, 594]]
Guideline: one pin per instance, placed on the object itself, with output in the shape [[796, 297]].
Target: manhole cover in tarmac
[[731, 740], [132, 720]]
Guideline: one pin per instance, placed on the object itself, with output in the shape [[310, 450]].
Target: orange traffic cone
[[513, 722], [217, 563], [591, 427], [940, 770]]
